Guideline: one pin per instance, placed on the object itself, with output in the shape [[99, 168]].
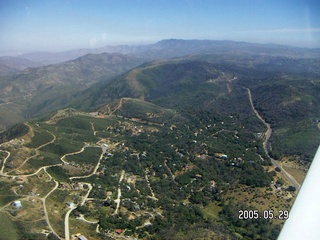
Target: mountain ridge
[[167, 44], [43, 89]]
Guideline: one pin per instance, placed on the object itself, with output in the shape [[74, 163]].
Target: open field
[[80, 226], [298, 174], [57, 208], [262, 199], [297, 170], [8, 229], [212, 210]]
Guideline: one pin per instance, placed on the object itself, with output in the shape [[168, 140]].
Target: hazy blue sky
[[56, 25]]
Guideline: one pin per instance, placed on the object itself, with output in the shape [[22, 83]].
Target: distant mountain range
[[10, 65], [163, 49]]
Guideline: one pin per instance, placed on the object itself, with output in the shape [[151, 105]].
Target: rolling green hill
[[292, 107], [208, 90], [40, 90]]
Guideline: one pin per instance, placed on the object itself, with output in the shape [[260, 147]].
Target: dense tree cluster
[[15, 131]]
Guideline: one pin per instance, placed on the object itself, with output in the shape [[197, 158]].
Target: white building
[[17, 204]]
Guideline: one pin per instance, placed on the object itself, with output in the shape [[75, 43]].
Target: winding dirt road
[[119, 193], [4, 161], [44, 203], [43, 199], [148, 183], [72, 153], [37, 152], [96, 167]]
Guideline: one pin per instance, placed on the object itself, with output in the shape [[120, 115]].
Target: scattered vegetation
[[183, 152]]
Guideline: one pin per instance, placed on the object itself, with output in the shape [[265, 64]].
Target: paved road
[[288, 176], [66, 222], [268, 133], [85, 198]]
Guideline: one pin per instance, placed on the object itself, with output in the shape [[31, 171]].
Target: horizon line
[[15, 52]]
